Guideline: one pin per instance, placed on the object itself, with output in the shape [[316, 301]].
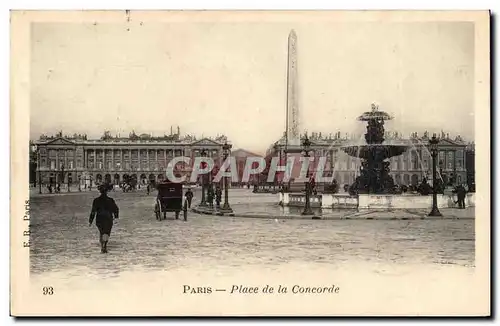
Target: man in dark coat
[[461, 193], [210, 196], [218, 196], [103, 210], [189, 197]]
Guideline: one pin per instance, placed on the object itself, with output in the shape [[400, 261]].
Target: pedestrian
[[218, 196], [147, 189], [210, 196], [189, 197], [461, 193], [104, 209]]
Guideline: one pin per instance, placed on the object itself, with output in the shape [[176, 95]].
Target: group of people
[[214, 195], [56, 189]]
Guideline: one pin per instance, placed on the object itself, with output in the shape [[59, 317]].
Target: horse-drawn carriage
[[170, 199]]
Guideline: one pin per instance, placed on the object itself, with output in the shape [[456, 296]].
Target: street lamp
[[226, 208], [306, 145], [37, 150], [433, 144], [277, 149], [203, 186]]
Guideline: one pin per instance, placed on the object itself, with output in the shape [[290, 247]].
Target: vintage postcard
[[250, 163]]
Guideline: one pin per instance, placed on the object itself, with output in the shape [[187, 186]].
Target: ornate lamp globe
[[433, 143], [225, 148]]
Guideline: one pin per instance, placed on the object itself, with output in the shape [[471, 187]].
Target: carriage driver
[[103, 210]]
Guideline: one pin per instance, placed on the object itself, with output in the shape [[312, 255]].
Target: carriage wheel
[[177, 215], [158, 211]]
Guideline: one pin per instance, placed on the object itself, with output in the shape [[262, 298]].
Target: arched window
[[406, 179]]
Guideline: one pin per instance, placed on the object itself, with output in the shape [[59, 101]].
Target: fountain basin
[[373, 201]]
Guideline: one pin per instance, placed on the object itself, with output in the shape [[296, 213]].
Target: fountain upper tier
[[375, 147]]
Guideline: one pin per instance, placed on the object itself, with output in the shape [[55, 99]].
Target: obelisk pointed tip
[[292, 33]]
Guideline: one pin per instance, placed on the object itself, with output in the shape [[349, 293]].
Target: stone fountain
[[374, 175], [374, 188]]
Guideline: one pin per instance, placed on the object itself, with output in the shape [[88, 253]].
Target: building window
[[70, 164], [78, 163], [441, 156], [414, 162], [118, 165], [52, 164], [43, 164], [110, 166]]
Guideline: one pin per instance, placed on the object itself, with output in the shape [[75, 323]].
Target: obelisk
[[292, 104]]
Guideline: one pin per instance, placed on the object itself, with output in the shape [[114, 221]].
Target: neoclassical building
[[407, 169], [73, 159]]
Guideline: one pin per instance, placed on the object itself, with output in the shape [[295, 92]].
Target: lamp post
[[37, 150], [226, 208], [433, 142], [62, 176], [306, 145], [203, 186]]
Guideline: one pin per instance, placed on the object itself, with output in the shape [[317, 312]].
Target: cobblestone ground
[[62, 240]]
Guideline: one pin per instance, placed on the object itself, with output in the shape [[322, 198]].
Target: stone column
[[156, 157], [165, 158], [66, 167], [147, 158], [130, 159], [95, 159], [103, 162], [113, 167], [57, 166], [139, 158]]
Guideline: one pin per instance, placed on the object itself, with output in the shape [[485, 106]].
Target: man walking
[[461, 193], [103, 210], [218, 196], [189, 197]]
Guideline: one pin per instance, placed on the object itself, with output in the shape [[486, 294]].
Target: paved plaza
[[61, 238]]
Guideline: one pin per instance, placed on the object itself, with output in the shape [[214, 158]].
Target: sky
[[210, 78]]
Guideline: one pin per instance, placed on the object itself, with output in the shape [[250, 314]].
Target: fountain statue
[[374, 175]]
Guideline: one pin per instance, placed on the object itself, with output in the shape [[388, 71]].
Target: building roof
[[125, 141], [240, 152]]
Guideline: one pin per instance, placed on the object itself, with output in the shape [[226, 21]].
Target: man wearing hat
[[103, 210]]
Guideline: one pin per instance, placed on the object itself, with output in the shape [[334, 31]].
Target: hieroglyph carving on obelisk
[[292, 92]]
